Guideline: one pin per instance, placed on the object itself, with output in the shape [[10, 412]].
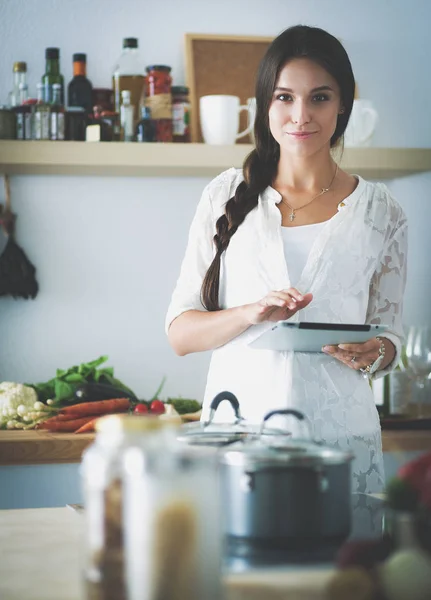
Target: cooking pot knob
[[247, 482]]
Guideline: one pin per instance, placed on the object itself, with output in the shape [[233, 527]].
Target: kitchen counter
[[44, 558], [44, 447]]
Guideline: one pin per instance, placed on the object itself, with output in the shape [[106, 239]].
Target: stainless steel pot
[[281, 492], [207, 433]]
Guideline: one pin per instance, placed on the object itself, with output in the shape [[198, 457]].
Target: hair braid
[[257, 177]]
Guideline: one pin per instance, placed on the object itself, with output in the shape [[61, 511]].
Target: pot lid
[[282, 451], [221, 434]]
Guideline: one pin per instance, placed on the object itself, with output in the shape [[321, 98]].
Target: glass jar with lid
[[172, 525], [180, 114], [101, 473], [159, 100]]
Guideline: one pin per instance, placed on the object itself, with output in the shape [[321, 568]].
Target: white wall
[[108, 250]]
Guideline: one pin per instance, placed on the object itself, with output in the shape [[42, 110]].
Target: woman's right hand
[[277, 306]]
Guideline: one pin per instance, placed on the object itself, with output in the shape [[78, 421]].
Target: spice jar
[[172, 528], [180, 114], [159, 100], [101, 473]]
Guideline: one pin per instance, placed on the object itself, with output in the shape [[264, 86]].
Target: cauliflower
[[19, 406]]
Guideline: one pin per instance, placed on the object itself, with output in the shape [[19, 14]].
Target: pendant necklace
[[323, 191]]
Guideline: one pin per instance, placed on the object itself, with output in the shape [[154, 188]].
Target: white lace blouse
[[356, 270]]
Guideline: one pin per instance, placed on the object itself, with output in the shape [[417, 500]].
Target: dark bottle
[[146, 128], [79, 91], [57, 115], [52, 75]]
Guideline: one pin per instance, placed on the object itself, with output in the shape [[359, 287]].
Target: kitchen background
[[108, 250]]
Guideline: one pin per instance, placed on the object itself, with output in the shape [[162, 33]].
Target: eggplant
[[87, 392]]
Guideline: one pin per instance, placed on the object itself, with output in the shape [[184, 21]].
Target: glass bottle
[[145, 129], [57, 115], [180, 114], [126, 117], [41, 116], [159, 99], [52, 75], [19, 77], [21, 111], [79, 91], [129, 74]]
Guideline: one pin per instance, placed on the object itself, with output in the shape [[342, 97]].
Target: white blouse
[[297, 243], [356, 270]]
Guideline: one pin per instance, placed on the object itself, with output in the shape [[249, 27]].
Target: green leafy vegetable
[[184, 405], [62, 387]]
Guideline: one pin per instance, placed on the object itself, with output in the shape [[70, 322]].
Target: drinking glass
[[418, 352]]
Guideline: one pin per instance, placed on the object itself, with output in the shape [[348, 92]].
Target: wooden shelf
[[188, 160]]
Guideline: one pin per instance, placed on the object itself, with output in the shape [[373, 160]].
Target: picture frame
[[221, 64]]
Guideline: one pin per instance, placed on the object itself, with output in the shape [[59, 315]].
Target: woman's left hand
[[355, 356]]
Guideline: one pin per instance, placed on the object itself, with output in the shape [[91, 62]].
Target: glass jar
[[172, 527], [103, 97], [180, 114], [159, 100], [101, 473]]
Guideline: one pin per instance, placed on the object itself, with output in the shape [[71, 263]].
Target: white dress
[[356, 270]]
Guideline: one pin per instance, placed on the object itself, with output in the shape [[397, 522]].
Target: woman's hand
[[359, 356], [277, 306]]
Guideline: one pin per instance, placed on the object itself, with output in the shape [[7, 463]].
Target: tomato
[[140, 409], [157, 407]]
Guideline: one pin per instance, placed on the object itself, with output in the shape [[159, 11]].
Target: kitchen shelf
[[161, 160]]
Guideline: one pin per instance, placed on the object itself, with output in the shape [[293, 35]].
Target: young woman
[[292, 236]]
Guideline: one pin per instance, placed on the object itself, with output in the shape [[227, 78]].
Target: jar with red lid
[[159, 100], [180, 114]]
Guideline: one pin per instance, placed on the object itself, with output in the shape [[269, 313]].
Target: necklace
[[323, 191]]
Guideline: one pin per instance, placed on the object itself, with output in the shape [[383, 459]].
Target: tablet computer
[[311, 337]]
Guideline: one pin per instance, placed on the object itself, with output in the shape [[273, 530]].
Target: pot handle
[[232, 399], [286, 412]]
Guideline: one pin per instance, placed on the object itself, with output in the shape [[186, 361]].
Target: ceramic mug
[[362, 124], [219, 119]]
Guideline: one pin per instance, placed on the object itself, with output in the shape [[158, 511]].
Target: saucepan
[[208, 433], [281, 492]]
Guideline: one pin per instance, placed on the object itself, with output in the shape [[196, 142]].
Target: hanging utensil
[[17, 273]]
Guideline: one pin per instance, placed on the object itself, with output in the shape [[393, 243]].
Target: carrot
[[98, 407], [87, 427], [58, 419], [65, 426]]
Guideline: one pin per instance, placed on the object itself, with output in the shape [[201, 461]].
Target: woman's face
[[304, 108]]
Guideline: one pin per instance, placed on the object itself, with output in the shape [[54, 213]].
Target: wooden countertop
[[33, 447], [44, 447], [44, 561]]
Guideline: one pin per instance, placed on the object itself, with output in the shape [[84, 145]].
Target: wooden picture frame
[[221, 64]]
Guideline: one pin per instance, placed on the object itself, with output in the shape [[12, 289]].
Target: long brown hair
[[260, 166]]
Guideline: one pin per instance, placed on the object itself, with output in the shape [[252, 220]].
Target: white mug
[[362, 124], [219, 119]]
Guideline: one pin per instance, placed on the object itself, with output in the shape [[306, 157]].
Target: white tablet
[[311, 337]]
